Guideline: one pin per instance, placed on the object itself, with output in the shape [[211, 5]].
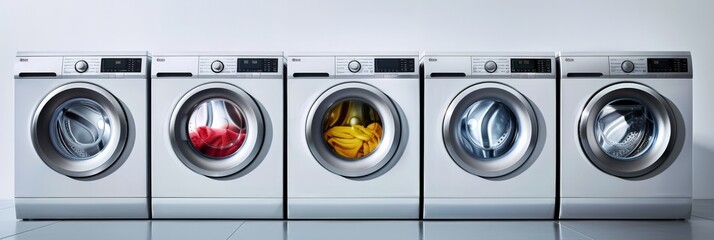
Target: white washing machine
[[81, 135], [489, 135], [217, 135], [626, 135], [353, 135]]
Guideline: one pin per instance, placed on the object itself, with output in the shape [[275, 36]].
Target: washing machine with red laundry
[[217, 135]]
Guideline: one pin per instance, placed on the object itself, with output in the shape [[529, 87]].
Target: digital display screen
[[667, 65], [121, 65], [530, 65], [393, 65], [257, 65]]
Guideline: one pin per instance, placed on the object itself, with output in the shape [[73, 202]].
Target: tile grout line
[[235, 231], [33, 229], [575, 231]]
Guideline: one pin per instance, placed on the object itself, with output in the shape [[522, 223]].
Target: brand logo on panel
[[432, 59], [161, 60], [295, 60], [569, 60], [24, 60]]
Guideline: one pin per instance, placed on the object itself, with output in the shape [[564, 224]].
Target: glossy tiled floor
[[700, 226]]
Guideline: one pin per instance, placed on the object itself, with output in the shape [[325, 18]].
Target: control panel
[[109, 67], [370, 66], [116, 65], [267, 65], [530, 65], [354, 66], [628, 65], [217, 65], [393, 65], [511, 66], [662, 64], [257, 65], [82, 65], [677, 65], [490, 65]]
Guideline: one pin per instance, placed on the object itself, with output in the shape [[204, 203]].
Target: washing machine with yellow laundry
[[353, 135]]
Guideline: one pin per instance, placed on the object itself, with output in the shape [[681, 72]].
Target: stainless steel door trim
[[41, 138], [664, 139], [525, 142], [222, 167], [391, 125]]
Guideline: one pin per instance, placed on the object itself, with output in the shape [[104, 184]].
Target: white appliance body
[[81, 135], [233, 102], [626, 135], [384, 183], [489, 135]]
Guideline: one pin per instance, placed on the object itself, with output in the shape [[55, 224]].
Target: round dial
[[354, 66], [81, 66], [217, 66], [627, 66], [490, 66]]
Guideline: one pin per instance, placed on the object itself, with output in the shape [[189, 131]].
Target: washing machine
[[489, 135], [81, 135], [217, 135], [353, 135], [626, 135]]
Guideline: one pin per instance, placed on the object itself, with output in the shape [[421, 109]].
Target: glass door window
[[217, 129], [490, 130], [80, 130], [353, 130], [627, 130], [487, 129]]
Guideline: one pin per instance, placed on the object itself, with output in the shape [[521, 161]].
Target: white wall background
[[177, 25]]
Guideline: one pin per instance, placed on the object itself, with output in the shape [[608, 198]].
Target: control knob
[[354, 66], [490, 66], [81, 66], [627, 66], [217, 66]]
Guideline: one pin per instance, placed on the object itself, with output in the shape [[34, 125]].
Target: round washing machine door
[[353, 129], [79, 130], [490, 129], [627, 130], [216, 129]]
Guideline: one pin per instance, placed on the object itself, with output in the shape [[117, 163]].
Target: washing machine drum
[[354, 130], [217, 130], [627, 130], [79, 130], [490, 130]]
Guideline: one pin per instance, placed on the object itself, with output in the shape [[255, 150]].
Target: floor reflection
[[353, 230]]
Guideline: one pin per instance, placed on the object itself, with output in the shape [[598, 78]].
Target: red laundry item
[[216, 142]]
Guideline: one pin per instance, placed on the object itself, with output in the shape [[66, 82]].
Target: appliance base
[[353, 208], [489, 208], [217, 208], [625, 208], [82, 208]]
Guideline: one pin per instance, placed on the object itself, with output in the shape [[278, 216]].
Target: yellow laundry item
[[354, 141]]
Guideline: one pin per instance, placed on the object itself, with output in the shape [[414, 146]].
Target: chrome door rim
[[235, 162], [79, 168], [647, 161], [523, 146], [391, 125]]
